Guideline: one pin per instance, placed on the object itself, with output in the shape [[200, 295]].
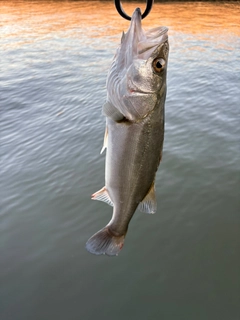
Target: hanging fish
[[134, 110]]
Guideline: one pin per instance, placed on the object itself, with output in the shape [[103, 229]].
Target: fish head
[[137, 77]]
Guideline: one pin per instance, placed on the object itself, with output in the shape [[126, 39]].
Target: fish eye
[[158, 64]]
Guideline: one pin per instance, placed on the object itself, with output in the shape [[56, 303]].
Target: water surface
[[181, 263]]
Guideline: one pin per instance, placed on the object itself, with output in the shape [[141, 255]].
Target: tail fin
[[104, 242]]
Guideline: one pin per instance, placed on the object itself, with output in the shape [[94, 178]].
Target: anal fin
[[102, 195], [149, 203]]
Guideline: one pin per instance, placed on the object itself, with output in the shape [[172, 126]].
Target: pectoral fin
[[105, 140], [149, 203], [111, 112], [102, 195]]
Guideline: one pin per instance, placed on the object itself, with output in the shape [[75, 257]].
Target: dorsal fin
[[149, 203]]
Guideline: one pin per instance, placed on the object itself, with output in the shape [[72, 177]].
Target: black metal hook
[[125, 16]]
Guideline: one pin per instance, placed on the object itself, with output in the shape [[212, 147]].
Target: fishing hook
[[125, 16]]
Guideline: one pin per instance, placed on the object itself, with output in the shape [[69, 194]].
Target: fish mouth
[[129, 42], [139, 43], [133, 89], [135, 32], [153, 38], [139, 92], [136, 17]]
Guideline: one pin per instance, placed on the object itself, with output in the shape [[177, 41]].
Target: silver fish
[[134, 110]]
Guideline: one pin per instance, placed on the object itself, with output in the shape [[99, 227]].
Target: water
[[181, 263]]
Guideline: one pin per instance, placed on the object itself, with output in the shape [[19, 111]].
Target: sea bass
[[134, 110]]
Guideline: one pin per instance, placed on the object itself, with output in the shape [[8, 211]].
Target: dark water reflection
[[181, 263]]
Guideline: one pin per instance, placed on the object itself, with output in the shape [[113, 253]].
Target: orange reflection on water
[[39, 19]]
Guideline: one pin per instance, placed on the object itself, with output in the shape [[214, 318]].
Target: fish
[[134, 111]]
